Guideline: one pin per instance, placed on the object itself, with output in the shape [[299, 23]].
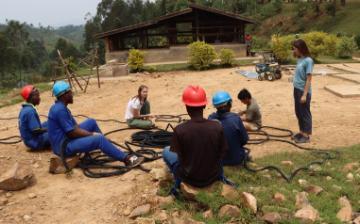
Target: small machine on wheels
[[270, 69]]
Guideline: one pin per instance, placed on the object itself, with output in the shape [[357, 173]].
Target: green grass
[[334, 60], [263, 188], [186, 67], [12, 96], [167, 67], [346, 21]]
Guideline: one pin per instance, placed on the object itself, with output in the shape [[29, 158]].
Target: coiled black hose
[[97, 165], [159, 138], [323, 155]]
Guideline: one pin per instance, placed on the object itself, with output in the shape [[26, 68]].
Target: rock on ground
[[229, 192], [249, 201], [307, 214], [357, 220], [278, 197], [350, 176], [18, 177], [229, 210], [314, 189], [190, 192], [271, 217], [287, 163], [57, 167], [303, 183], [351, 166], [301, 200], [208, 214], [345, 213], [140, 211]]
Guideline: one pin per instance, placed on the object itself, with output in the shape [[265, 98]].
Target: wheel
[[278, 74], [270, 77], [260, 78]]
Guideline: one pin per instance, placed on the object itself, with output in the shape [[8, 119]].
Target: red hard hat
[[26, 91], [194, 96]]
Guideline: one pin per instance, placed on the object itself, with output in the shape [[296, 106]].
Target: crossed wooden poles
[[91, 60]]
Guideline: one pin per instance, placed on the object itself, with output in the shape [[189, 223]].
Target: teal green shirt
[[304, 67]]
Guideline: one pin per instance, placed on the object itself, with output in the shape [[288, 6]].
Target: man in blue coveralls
[[32, 131], [234, 130], [68, 138]]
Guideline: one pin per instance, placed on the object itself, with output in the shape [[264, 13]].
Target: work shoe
[[302, 139], [296, 136], [133, 161]]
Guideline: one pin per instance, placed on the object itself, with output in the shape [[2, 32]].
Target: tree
[[66, 48]]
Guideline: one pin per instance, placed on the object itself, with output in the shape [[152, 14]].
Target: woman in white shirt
[[137, 113]]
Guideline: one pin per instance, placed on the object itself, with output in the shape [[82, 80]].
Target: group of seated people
[[199, 147]]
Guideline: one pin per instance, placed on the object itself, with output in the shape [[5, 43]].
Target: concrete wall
[[175, 53]]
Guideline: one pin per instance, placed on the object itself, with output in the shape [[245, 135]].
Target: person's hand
[[303, 99]]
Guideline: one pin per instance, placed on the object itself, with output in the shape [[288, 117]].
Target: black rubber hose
[[98, 165], [324, 155]]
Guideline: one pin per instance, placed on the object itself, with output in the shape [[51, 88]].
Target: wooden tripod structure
[[74, 79]]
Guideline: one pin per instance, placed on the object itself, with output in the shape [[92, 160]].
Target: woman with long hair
[[302, 90], [137, 113]]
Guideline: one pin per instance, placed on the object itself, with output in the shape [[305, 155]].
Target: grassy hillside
[[347, 20], [74, 34], [50, 35]]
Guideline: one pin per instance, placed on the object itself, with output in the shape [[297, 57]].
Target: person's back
[[236, 137], [197, 146], [200, 145]]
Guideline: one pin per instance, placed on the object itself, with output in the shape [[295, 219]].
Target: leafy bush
[[201, 55], [136, 60], [346, 47], [227, 57], [331, 42], [260, 43], [281, 46], [319, 43]]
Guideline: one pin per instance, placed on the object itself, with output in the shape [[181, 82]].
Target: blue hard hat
[[60, 87], [220, 98]]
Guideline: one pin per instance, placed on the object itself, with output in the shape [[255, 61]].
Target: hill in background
[[296, 19], [50, 35]]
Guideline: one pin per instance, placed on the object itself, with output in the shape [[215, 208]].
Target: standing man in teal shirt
[[302, 90]]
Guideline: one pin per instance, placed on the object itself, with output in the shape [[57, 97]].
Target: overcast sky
[[47, 12]]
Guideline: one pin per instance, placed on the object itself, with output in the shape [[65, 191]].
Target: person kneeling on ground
[[67, 138], [32, 131], [197, 146], [251, 116], [234, 130], [137, 113]]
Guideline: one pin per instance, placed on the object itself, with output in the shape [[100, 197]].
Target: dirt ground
[[79, 199]]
